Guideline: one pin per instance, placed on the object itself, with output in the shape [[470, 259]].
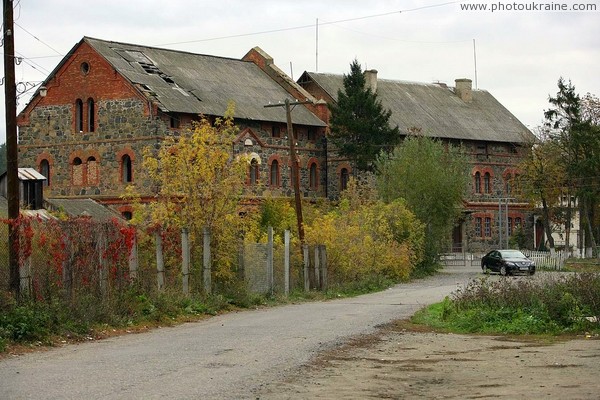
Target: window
[[45, 170], [510, 226], [275, 173], [90, 115], [174, 122], [85, 68], [507, 185], [488, 227], [275, 131], [79, 115], [344, 177], [254, 172], [312, 133], [92, 171], [517, 222], [487, 182], [128, 215], [478, 222], [312, 177], [126, 169], [477, 182], [77, 172]]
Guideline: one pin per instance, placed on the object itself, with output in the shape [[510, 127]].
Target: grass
[[565, 304]]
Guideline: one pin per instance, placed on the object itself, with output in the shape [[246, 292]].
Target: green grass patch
[[552, 306]]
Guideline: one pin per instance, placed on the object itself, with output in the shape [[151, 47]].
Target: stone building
[[108, 101], [495, 141]]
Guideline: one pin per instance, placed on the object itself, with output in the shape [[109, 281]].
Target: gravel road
[[230, 356]]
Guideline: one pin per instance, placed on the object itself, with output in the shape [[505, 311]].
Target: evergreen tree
[[359, 124]]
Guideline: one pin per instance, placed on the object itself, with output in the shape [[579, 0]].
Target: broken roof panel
[[169, 76]]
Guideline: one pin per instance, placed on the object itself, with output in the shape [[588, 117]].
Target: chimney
[[463, 89], [371, 78]]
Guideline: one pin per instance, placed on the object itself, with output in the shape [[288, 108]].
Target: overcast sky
[[519, 54]]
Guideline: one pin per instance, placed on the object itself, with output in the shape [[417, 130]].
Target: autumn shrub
[[371, 239]]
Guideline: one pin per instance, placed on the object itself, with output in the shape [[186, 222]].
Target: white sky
[[520, 54]]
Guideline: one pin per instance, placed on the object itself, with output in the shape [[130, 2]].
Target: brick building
[[108, 101], [495, 141]]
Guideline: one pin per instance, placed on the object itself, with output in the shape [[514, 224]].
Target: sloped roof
[[191, 83], [82, 207], [437, 110], [41, 213]]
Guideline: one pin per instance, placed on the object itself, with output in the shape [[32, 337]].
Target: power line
[[39, 40], [312, 25]]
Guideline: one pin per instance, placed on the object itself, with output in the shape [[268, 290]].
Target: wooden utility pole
[[294, 162], [12, 175]]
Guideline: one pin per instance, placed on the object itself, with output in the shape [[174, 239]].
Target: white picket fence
[[543, 259]]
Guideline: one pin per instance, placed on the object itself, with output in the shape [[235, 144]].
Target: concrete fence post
[[323, 253], [185, 260], [317, 267], [160, 261], [133, 259], [206, 261], [286, 239], [306, 267], [270, 277]]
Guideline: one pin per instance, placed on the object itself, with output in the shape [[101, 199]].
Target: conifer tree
[[360, 127]]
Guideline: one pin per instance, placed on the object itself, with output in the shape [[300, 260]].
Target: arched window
[[90, 115], [77, 172], [92, 171], [507, 184], [487, 182], [45, 170], [275, 173], [128, 215], [477, 182], [254, 171], [312, 177], [126, 169], [344, 177], [79, 115]]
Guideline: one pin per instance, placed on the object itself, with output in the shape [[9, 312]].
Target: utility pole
[[12, 154], [295, 162]]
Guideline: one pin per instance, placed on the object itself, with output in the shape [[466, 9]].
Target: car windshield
[[512, 254]]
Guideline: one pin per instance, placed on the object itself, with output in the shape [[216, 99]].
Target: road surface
[[229, 356]]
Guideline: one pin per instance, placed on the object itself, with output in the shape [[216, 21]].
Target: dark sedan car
[[507, 262]]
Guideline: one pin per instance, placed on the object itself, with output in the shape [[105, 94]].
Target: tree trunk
[[547, 226]]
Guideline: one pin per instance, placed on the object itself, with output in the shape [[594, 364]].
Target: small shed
[[31, 188]]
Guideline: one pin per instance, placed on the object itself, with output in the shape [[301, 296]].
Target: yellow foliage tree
[[198, 184]]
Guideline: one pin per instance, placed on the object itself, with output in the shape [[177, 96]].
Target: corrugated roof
[[438, 111], [30, 174], [82, 207], [200, 84]]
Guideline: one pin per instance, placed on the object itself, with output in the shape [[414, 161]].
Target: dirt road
[[400, 364]]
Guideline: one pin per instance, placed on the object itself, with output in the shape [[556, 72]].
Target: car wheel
[[485, 269], [503, 271]]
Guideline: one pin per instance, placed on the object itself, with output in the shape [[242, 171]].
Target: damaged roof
[[183, 82], [437, 110]]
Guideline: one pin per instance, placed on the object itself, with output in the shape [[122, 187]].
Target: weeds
[[553, 305]]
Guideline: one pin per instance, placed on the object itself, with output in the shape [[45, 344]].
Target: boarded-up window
[[92, 171], [77, 172]]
